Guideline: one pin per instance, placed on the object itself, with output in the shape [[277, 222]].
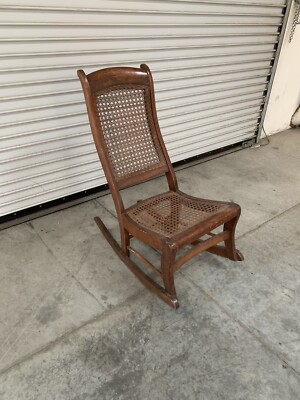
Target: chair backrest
[[122, 113]]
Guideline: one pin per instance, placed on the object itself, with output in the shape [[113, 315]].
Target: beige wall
[[285, 94]]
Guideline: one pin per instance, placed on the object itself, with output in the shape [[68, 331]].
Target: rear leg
[[125, 240]]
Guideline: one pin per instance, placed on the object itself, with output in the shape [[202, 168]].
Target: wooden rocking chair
[[122, 114]]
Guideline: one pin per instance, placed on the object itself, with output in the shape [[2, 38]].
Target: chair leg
[[232, 252], [167, 268], [125, 240]]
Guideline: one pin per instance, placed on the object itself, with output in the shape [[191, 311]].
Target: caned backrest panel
[[128, 130]]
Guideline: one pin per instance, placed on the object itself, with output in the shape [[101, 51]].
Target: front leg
[[232, 252], [167, 269]]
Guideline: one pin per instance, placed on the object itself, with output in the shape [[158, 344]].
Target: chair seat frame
[[195, 238]]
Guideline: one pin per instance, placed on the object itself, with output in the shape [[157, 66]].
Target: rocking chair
[[122, 114]]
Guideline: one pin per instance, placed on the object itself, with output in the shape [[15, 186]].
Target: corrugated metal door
[[211, 62]]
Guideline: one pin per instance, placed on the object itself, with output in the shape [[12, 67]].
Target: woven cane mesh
[[172, 213], [128, 131]]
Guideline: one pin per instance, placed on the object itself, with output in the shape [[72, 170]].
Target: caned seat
[[122, 113], [172, 213]]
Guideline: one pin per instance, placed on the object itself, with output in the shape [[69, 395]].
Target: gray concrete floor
[[75, 324]]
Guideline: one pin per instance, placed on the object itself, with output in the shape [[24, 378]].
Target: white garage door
[[211, 62]]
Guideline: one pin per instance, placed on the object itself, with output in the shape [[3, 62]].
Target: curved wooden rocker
[[122, 114]]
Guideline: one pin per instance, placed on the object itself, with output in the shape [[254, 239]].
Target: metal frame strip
[[273, 70]]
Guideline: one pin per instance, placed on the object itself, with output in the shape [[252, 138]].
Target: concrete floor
[[75, 324]]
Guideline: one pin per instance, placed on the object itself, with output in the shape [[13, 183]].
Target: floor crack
[[266, 222]]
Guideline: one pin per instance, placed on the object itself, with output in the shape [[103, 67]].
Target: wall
[[285, 94]]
